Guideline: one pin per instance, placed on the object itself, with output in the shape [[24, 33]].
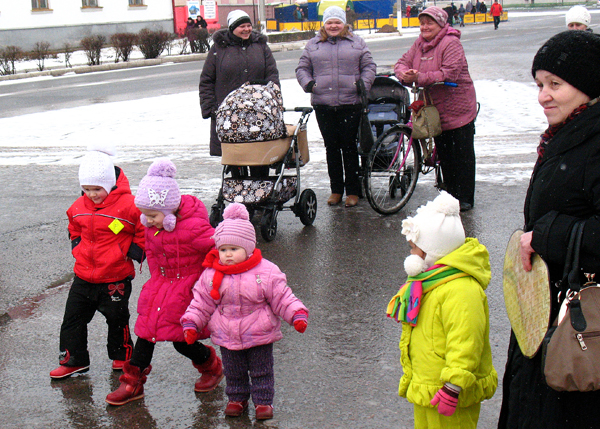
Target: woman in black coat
[[564, 188], [238, 55]]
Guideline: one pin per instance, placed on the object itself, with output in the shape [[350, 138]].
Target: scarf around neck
[[405, 305], [212, 261]]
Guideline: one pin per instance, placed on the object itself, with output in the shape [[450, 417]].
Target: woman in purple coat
[[330, 67], [238, 55], [438, 56], [178, 237]]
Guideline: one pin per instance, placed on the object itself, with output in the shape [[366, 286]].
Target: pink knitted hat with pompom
[[236, 229], [159, 191]]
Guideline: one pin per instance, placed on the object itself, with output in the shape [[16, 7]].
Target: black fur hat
[[574, 56]]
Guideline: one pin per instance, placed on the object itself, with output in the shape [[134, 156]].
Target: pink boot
[[212, 373], [132, 385]]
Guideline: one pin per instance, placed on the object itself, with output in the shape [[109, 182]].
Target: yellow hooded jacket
[[451, 340]]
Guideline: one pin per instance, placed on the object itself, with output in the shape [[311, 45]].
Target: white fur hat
[[436, 229], [334, 12], [579, 15], [97, 168]]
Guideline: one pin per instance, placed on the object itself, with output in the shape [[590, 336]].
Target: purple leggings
[[241, 366]]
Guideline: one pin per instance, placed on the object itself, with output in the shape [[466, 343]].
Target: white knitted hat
[[97, 168], [579, 15], [436, 229], [237, 17], [334, 12]]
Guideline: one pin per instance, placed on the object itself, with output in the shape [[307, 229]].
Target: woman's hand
[[409, 76], [526, 250]]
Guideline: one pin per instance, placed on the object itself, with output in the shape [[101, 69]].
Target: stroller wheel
[[268, 225], [307, 207], [216, 215]]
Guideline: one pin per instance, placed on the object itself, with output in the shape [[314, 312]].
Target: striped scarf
[[405, 305]]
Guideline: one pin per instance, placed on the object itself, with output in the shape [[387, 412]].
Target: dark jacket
[[564, 188], [230, 63]]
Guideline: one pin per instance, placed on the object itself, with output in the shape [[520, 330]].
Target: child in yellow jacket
[[445, 349]]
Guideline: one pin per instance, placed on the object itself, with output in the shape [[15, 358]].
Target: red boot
[[212, 373], [132, 385]]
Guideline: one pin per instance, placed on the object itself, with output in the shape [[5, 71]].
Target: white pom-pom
[[103, 147], [236, 211], [414, 265], [446, 204]]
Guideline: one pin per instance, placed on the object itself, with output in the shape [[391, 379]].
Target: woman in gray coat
[[238, 55], [329, 68]]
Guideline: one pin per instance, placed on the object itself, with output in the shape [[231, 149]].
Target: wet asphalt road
[[343, 372]]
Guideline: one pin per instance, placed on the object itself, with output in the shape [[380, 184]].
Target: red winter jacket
[[105, 236], [443, 60], [496, 9], [175, 260]]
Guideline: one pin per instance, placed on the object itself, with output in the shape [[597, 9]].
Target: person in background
[[106, 237], [482, 7], [241, 297], [444, 346], [201, 22], [496, 13], [330, 67], [238, 55], [438, 56], [564, 189], [578, 18], [178, 237], [461, 15]]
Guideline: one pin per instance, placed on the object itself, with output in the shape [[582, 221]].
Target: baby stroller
[[268, 195]]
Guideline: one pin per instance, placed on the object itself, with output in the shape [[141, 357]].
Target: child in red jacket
[[178, 237], [106, 235]]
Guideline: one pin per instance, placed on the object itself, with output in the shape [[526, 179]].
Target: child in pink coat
[[241, 297], [178, 237]]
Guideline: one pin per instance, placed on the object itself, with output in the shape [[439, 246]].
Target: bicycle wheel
[[392, 170]]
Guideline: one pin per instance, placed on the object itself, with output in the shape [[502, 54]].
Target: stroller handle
[[300, 109]]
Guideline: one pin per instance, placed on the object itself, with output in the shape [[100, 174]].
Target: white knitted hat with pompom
[[437, 228], [579, 15]]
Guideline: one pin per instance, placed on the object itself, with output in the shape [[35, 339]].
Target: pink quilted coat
[[443, 60], [248, 313], [175, 260]]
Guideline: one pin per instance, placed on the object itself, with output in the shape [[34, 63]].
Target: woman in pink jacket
[[178, 237], [241, 297], [438, 56]]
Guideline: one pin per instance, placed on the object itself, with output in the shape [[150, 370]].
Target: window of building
[[39, 4], [136, 2], [89, 3]]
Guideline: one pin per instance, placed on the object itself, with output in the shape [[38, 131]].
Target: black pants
[[339, 128], [144, 349], [110, 299], [496, 22], [456, 152]]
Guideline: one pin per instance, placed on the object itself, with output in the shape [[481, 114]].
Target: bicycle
[[395, 162]]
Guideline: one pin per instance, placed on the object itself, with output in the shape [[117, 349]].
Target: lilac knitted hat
[[159, 190], [236, 229]]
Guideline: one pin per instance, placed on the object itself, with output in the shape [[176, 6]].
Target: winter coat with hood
[[450, 343], [231, 62], [564, 188], [249, 310], [106, 237], [443, 60], [175, 261], [335, 66]]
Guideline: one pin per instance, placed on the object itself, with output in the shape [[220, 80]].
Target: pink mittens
[[446, 399]]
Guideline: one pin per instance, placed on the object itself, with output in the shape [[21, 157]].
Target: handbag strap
[[571, 282]]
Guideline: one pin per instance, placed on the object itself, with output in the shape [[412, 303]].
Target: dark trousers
[[249, 372], [144, 349], [496, 22], [456, 152], [110, 299], [339, 128]]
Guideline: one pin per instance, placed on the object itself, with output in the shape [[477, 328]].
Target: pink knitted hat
[[438, 14], [159, 190], [236, 229]]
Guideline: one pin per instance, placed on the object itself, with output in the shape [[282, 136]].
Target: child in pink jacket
[[178, 238], [241, 297]]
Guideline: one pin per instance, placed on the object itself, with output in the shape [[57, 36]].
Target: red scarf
[[212, 261]]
